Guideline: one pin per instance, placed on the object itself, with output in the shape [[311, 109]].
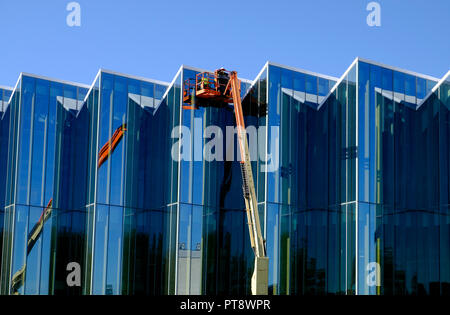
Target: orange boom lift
[[218, 89]]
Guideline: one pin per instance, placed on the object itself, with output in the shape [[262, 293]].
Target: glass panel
[[272, 244], [19, 249], [410, 89], [196, 183], [184, 249], [366, 175], [114, 260], [117, 156], [24, 151], [159, 91], [148, 96], [368, 250], [40, 132], [311, 89], [421, 89], [105, 133], [261, 97], [56, 89], [273, 141], [34, 252], [45, 274], [100, 250], [196, 251]]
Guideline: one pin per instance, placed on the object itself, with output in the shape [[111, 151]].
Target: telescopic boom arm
[[261, 268]]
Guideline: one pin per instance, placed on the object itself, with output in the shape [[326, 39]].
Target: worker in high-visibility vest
[[205, 83], [222, 80]]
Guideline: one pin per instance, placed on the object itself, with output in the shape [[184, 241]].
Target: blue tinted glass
[[7, 94], [299, 82], [332, 84], [197, 167], [40, 126], [70, 91], [320, 238], [430, 85], [148, 89], [118, 155], [273, 245], [120, 84], [386, 79], [184, 247], [366, 178], [311, 84], [159, 91], [33, 264], [114, 258], [410, 85], [82, 92], [375, 76], [28, 98], [20, 241], [134, 86], [323, 87], [105, 133], [100, 249], [421, 88], [107, 81], [286, 78], [56, 90], [196, 250], [45, 264], [147, 100], [273, 121], [399, 82]]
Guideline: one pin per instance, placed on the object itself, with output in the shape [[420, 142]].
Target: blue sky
[[153, 38]]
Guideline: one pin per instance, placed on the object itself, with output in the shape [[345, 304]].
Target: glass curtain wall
[[5, 95], [29, 181], [10, 114], [128, 200], [441, 100], [298, 173], [352, 179], [69, 234], [401, 156], [213, 247], [300, 200]]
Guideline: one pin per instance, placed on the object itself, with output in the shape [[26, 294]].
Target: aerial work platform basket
[[208, 90]]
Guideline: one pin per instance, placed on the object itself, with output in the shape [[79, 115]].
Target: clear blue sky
[[153, 38]]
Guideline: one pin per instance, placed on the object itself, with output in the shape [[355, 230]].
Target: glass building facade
[[213, 253], [5, 94], [351, 175], [402, 189], [127, 202], [292, 176], [38, 112]]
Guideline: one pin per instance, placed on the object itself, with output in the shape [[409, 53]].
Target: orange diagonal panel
[[111, 145]]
